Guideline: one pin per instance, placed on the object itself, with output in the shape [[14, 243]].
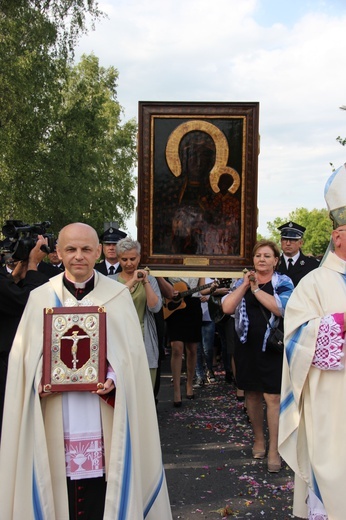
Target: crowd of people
[[91, 447]]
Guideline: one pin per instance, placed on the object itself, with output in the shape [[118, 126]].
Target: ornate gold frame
[[74, 349], [187, 218]]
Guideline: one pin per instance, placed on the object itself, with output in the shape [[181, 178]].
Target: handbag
[[275, 340]]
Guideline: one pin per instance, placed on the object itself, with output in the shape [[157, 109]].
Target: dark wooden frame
[[229, 140], [92, 354]]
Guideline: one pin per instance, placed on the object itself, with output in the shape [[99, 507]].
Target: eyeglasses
[[291, 239]]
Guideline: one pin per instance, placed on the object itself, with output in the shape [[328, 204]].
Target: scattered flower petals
[[206, 448]]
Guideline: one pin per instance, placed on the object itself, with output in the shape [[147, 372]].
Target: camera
[[21, 238]]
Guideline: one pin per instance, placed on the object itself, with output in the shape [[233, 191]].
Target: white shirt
[[294, 259], [108, 265]]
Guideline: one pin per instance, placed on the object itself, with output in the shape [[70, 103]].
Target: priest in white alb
[[312, 430], [80, 454]]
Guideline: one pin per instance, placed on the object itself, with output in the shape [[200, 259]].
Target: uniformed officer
[[292, 261], [109, 239]]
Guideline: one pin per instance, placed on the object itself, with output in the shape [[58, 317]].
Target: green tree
[[35, 40], [318, 229], [88, 157], [65, 20], [36, 37], [64, 154], [27, 88]]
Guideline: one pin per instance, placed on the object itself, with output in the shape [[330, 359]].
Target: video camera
[[21, 238]]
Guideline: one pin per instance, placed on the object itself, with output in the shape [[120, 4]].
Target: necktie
[[111, 269], [290, 263]]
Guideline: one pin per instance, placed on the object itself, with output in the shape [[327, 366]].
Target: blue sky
[[268, 12], [289, 55]]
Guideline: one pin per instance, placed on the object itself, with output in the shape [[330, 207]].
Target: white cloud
[[226, 50]]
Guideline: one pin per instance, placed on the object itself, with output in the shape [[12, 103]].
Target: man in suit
[[109, 239], [8, 265], [54, 266], [15, 288], [293, 262]]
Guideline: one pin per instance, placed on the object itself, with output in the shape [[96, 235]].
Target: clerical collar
[[79, 289]]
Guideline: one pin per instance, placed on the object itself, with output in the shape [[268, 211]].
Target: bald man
[[72, 454]]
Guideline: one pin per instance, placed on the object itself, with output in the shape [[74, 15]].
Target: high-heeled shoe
[[177, 404], [258, 454], [274, 467], [189, 396]]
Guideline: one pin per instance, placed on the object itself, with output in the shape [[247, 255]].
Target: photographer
[[14, 293]]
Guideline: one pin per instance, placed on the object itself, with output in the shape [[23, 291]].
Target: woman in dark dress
[[258, 369], [184, 328]]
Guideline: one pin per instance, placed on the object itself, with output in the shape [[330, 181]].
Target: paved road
[[206, 448]]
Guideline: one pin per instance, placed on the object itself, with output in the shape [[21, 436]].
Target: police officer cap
[[292, 231], [112, 236]]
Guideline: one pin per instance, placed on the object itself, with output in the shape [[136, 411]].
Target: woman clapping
[[260, 296]]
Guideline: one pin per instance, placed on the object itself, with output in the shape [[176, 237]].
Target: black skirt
[[186, 324]]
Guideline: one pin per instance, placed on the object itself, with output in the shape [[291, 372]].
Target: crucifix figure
[[75, 338]]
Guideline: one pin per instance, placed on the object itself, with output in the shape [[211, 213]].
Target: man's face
[[78, 248], [339, 239], [110, 253], [290, 247], [11, 264], [53, 258]]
